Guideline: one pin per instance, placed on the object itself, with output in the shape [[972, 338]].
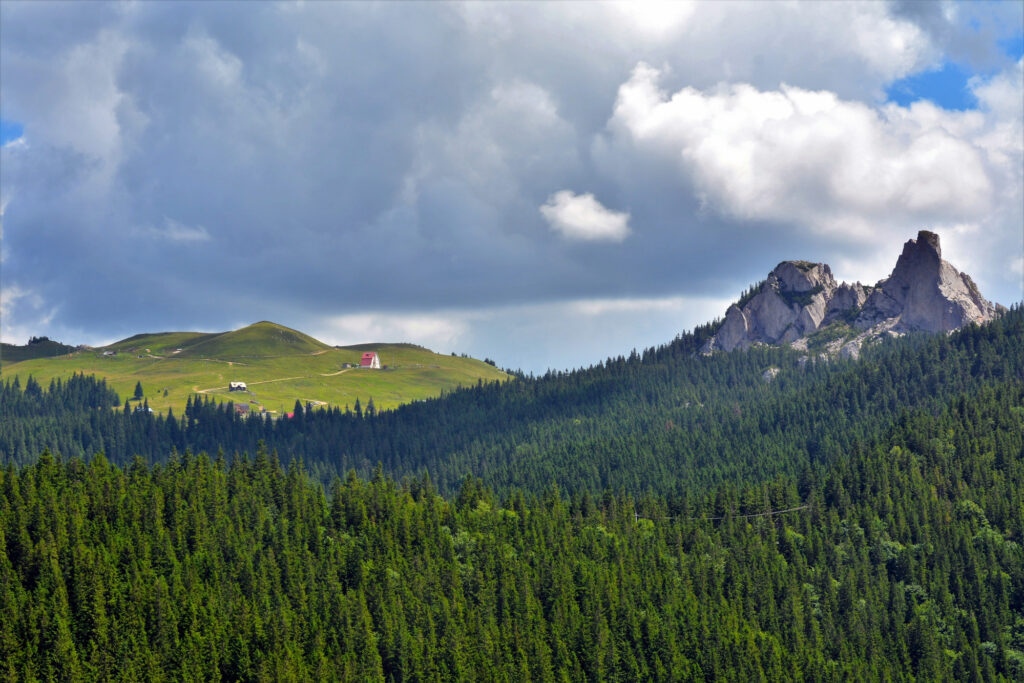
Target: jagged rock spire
[[798, 298]]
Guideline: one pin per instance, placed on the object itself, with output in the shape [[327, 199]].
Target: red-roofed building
[[370, 360]]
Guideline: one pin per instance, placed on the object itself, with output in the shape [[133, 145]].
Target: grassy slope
[[278, 364]]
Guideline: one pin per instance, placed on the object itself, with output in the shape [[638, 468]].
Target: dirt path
[[280, 379], [268, 381]]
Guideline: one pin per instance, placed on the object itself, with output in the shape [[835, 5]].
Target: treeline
[[37, 347], [666, 420], [906, 564]]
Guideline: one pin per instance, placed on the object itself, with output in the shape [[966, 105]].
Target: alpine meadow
[[655, 341]]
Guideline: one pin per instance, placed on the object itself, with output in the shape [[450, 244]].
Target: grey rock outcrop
[[926, 292], [799, 298], [846, 298], [735, 330]]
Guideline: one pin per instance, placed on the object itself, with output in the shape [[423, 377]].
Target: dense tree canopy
[[906, 564], [666, 516]]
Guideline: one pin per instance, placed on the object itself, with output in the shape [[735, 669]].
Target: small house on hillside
[[370, 360], [241, 408], [237, 386]]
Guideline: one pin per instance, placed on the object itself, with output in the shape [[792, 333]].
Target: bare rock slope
[[802, 305]]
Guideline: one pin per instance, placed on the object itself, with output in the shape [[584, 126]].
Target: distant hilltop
[[800, 304], [260, 368], [37, 347]]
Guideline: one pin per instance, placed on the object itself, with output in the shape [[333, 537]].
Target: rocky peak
[[798, 298], [802, 276], [920, 262], [926, 292]]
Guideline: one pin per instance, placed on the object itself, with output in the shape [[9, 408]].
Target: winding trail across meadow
[[268, 381]]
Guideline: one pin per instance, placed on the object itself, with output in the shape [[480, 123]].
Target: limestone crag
[[799, 298], [926, 292], [790, 304]]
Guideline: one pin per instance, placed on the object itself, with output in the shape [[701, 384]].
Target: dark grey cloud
[[330, 165], [967, 32]]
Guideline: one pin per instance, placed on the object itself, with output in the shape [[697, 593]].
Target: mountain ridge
[[801, 305]]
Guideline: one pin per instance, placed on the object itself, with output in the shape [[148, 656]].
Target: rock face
[[926, 292], [800, 298]]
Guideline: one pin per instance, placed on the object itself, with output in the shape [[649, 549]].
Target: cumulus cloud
[[794, 154], [831, 166], [581, 217]]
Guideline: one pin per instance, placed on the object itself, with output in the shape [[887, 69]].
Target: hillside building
[[370, 360], [237, 386]]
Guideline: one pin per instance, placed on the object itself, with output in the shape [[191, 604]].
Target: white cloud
[[438, 331], [76, 103], [174, 231], [656, 18], [18, 304], [890, 45], [598, 307], [217, 65], [808, 156], [581, 217], [15, 142], [851, 47], [851, 174], [10, 294]]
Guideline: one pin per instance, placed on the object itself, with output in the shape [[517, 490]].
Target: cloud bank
[[358, 163]]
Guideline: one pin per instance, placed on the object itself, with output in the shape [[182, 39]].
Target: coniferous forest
[[662, 516]]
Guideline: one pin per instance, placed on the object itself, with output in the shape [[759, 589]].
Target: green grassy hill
[[279, 366]]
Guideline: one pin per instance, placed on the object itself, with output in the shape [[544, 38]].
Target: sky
[[542, 184]]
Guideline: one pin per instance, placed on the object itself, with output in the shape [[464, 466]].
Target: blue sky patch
[[946, 87], [9, 130], [1013, 46]]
